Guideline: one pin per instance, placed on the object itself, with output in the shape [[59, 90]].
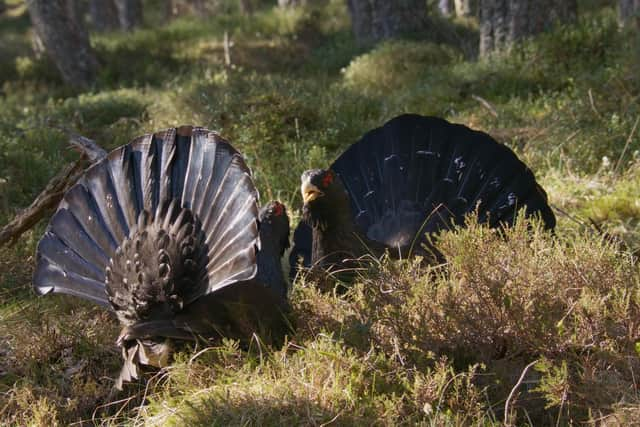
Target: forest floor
[[533, 329]]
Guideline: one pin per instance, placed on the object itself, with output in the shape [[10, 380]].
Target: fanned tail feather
[[192, 166], [422, 174]]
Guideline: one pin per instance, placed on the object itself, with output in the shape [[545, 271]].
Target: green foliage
[[408, 344], [396, 65]]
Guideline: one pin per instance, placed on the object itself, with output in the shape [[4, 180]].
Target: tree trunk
[[504, 22], [104, 15], [565, 11], [65, 41], [73, 11], [129, 13], [200, 7], [246, 7], [375, 20], [445, 7], [629, 13]]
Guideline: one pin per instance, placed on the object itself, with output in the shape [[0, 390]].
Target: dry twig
[[54, 190], [486, 104], [626, 145], [513, 391], [593, 104]]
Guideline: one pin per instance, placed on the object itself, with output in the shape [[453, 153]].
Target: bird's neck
[[336, 240]]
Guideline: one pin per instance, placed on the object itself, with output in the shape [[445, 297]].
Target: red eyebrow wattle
[[327, 179]]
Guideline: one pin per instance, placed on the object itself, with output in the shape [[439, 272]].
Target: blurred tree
[[65, 40], [104, 15], [375, 20], [172, 9], [3, 6], [200, 7], [296, 3], [445, 7], [291, 3], [246, 7], [74, 11], [129, 13], [629, 13], [503, 22]]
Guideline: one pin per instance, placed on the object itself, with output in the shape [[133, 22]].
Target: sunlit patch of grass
[[313, 382], [58, 356], [503, 301], [396, 65]]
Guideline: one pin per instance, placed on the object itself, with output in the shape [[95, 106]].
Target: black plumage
[[274, 238], [166, 232], [404, 181]]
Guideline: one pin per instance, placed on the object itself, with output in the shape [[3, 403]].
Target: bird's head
[[323, 194], [274, 225]]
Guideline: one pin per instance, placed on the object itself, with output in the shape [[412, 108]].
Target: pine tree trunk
[[504, 22], [629, 13], [65, 41], [170, 10], [74, 12], [246, 7], [129, 13], [104, 15], [445, 7], [375, 20], [200, 7]]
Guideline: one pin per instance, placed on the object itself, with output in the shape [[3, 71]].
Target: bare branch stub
[[51, 195], [46, 200], [83, 145]]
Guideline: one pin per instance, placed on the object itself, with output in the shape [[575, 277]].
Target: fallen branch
[[47, 199], [50, 197]]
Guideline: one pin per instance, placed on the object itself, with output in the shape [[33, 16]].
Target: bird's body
[[274, 239], [406, 181], [165, 232]]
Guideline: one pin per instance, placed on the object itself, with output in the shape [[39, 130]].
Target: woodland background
[[530, 330]]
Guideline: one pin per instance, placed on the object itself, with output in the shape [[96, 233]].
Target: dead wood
[[53, 192]]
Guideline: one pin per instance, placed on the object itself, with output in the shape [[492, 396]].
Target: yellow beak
[[309, 192]]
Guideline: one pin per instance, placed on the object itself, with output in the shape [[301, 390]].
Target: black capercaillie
[[166, 232], [402, 183]]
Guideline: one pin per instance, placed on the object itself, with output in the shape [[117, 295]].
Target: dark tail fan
[[134, 188], [426, 164]]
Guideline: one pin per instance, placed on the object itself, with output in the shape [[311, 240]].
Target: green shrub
[[396, 66]]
